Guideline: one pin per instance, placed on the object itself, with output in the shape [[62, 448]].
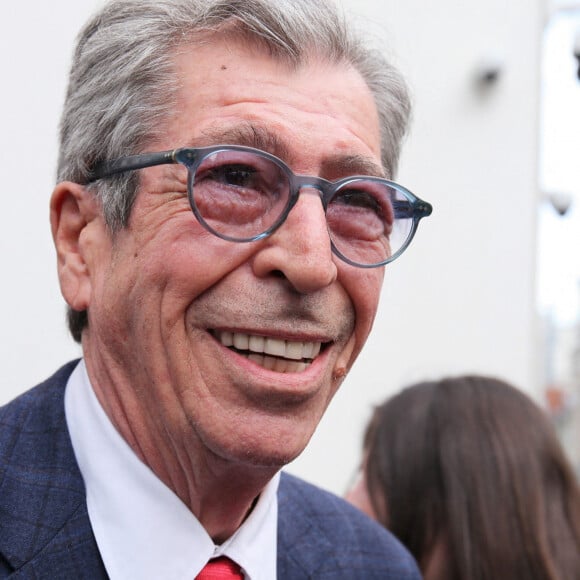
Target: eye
[[234, 175], [358, 198]]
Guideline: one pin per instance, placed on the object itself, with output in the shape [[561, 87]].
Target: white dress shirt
[[143, 530]]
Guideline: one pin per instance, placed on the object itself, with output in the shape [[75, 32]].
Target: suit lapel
[[302, 545], [43, 517]]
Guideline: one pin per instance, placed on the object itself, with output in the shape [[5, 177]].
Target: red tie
[[221, 568]]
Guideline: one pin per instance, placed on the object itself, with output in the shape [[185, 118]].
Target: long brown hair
[[473, 462]]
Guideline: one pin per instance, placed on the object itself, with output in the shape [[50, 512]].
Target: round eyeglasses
[[242, 194]]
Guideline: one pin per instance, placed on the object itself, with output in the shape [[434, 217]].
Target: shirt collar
[[142, 528]]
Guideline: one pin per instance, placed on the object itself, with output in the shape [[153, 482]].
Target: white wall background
[[36, 40], [460, 300]]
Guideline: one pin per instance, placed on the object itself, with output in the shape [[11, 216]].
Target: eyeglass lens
[[240, 195]]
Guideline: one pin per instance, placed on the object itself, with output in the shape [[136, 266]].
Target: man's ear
[[74, 215]]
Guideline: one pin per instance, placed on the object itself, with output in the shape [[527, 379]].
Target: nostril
[[278, 274]]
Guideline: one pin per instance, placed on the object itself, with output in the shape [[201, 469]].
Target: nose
[[300, 250]]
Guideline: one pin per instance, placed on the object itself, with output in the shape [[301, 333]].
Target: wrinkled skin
[[209, 421]]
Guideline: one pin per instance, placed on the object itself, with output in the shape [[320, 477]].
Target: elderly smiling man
[[222, 217]]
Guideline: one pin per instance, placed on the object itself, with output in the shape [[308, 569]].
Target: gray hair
[[122, 86]]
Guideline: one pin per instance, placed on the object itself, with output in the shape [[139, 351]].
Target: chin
[[277, 457], [268, 451]]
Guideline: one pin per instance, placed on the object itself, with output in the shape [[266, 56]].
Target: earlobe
[[72, 211]]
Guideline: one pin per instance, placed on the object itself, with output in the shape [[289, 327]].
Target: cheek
[[171, 249], [364, 289], [184, 261]]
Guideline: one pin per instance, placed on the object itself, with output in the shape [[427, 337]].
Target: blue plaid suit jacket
[[45, 532]]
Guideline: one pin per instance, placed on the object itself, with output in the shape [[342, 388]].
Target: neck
[[222, 502], [220, 492]]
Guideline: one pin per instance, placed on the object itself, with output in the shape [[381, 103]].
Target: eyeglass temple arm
[[131, 163], [415, 210]]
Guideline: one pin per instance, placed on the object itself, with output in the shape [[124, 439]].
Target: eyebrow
[[251, 135], [345, 165], [246, 134]]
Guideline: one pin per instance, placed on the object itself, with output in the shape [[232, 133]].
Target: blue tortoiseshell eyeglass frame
[[407, 207]]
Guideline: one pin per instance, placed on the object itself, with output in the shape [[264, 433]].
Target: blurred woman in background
[[468, 473]]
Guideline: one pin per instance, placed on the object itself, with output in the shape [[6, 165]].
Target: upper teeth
[[273, 346]]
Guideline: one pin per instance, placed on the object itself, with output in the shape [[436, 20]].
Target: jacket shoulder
[[42, 499], [44, 397], [322, 536]]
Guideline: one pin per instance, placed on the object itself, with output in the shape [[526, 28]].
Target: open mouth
[[282, 356]]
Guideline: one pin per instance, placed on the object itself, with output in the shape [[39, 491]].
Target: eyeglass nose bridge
[[298, 183]]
